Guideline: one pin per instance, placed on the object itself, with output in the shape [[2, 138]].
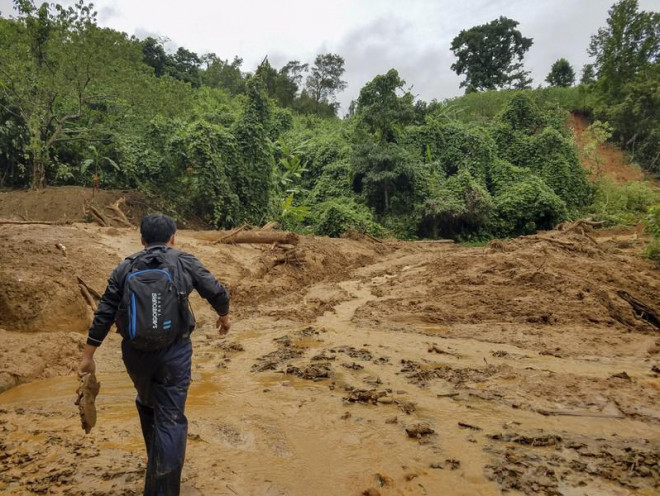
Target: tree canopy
[[490, 56], [561, 74]]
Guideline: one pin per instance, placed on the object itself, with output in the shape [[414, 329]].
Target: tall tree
[[561, 74], [287, 82], [383, 170], [325, 80], [490, 56], [626, 47]]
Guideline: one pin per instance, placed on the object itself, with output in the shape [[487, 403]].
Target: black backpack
[[155, 303]]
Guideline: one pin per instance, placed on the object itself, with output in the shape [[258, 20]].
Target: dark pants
[[161, 379]]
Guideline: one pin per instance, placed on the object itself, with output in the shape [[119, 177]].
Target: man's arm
[[210, 289], [104, 317]]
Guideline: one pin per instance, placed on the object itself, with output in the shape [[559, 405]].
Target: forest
[[204, 138]]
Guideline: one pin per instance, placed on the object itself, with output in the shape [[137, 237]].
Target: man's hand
[[87, 365], [223, 324]]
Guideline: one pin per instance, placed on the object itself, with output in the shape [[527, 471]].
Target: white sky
[[412, 36]]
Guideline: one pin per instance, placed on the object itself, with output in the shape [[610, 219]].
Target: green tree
[[588, 74], [223, 74], [154, 55], [561, 74], [58, 67], [626, 47], [490, 56], [325, 79], [288, 81], [381, 111], [383, 170]]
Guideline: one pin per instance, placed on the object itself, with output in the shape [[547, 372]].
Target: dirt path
[[330, 365]]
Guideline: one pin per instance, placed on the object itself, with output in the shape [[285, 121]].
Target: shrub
[[461, 207], [622, 204], [526, 206], [338, 216]]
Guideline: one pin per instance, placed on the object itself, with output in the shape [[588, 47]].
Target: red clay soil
[[611, 160]]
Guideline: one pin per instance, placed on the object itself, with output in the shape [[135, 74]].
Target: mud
[[533, 372]]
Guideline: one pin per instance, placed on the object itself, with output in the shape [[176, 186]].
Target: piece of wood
[[88, 297], [98, 216], [573, 413], [372, 238], [270, 226], [92, 291], [436, 241], [642, 310], [121, 217], [226, 237], [31, 222], [261, 237]]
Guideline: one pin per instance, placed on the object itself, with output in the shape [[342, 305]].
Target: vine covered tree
[[561, 74], [490, 56]]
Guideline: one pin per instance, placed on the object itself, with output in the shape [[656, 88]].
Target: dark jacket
[[195, 276]]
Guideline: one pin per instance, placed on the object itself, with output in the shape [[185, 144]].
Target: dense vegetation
[[80, 103]]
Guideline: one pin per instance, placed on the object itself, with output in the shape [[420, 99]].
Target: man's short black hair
[[157, 228]]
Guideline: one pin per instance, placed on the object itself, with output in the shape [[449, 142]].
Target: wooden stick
[[376, 240], [88, 297], [572, 413], [98, 216], [31, 222], [89, 288]]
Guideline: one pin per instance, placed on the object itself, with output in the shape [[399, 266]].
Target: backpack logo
[[155, 309]]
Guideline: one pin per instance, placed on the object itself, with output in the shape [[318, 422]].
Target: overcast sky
[[373, 36]]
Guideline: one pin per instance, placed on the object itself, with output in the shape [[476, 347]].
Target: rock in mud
[[365, 396], [621, 375], [419, 430], [87, 391]]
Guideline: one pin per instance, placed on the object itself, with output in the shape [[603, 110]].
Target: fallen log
[[225, 239], [30, 222], [261, 237]]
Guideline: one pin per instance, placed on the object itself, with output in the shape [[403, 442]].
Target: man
[[161, 376]]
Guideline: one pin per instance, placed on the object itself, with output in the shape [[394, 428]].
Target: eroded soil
[[372, 368]]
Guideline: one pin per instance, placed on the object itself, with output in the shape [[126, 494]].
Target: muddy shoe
[[88, 389]]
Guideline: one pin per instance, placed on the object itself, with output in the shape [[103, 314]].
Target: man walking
[[147, 297]]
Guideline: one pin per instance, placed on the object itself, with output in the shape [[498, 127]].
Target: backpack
[[155, 303]]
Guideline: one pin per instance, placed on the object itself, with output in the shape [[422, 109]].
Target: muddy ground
[[371, 368]]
